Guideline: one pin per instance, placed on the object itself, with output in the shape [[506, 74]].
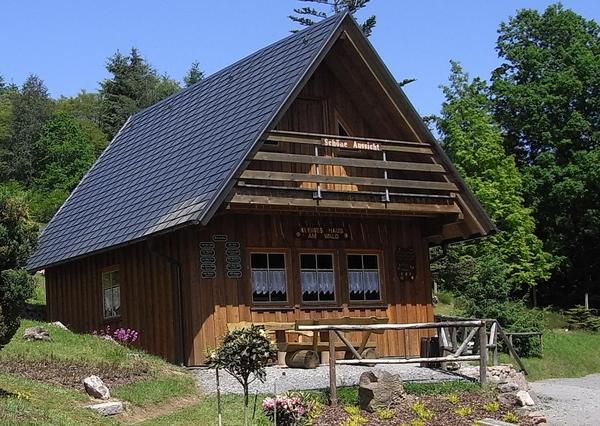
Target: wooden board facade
[[147, 282], [343, 156]]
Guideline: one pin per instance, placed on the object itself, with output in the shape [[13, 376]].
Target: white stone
[[525, 400], [60, 325], [36, 333], [108, 408], [96, 388]]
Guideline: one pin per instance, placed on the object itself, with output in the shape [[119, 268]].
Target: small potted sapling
[[244, 354]]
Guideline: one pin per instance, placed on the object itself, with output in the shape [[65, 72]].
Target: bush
[[289, 409], [16, 286], [581, 318], [445, 297], [17, 237], [242, 353]]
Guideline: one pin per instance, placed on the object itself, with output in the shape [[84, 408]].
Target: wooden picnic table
[[309, 351]]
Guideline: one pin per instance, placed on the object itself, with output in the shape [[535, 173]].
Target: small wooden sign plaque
[[351, 144], [323, 232]]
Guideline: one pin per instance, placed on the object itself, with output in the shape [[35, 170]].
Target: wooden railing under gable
[[307, 170]]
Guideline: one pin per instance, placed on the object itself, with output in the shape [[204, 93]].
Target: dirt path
[[572, 402]]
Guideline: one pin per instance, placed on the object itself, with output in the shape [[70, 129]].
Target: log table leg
[[280, 339]]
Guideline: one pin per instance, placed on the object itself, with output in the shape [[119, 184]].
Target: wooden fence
[[477, 327]]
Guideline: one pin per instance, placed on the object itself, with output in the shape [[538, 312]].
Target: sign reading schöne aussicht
[[351, 144]]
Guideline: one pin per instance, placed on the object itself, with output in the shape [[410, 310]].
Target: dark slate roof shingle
[[169, 162]]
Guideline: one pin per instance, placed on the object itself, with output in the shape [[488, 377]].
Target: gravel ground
[[296, 379], [572, 402]]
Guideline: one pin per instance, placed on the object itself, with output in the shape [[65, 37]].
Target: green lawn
[[566, 354], [74, 356]]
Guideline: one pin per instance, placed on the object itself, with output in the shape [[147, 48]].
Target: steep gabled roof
[[173, 163], [166, 166]]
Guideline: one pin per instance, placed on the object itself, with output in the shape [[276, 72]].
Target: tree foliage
[[17, 238], [134, 85], [474, 143], [306, 16], [31, 107], [546, 97], [194, 74]]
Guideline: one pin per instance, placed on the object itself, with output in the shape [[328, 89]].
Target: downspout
[[179, 323]]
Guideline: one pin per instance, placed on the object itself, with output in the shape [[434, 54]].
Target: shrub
[[491, 407], [17, 237], [445, 297], [581, 318], [453, 399], [463, 411], [421, 412], [243, 353], [289, 409], [511, 417], [385, 414]]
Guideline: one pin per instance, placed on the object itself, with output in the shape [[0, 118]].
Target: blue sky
[[67, 42]]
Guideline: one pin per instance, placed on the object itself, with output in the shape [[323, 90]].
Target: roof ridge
[[204, 81]]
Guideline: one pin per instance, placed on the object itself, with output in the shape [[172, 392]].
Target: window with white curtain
[[316, 277], [269, 279], [111, 294], [363, 277]]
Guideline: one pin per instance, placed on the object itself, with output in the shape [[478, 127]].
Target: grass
[[157, 381], [39, 292], [33, 403], [205, 413], [566, 354]]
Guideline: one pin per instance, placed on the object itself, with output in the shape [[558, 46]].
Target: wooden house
[[297, 183]]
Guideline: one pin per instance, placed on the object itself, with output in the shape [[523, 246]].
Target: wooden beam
[[409, 360], [408, 208], [349, 162], [385, 145], [348, 180]]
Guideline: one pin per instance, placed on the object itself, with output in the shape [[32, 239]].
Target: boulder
[[96, 388], [452, 365], [108, 408], [60, 325], [537, 418], [508, 387], [524, 399], [36, 333], [379, 389], [508, 399]]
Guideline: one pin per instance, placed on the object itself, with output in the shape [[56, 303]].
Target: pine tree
[[306, 16], [194, 74], [31, 107], [134, 85]]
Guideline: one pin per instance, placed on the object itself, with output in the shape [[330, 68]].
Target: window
[[111, 291], [316, 277], [269, 281], [363, 277]]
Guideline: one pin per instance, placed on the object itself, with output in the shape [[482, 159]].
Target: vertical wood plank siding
[[74, 290]]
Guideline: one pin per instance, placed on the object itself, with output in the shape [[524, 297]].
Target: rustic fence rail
[[337, 331]]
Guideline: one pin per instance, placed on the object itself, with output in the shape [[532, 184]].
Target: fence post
[[332, 378], [483, 355]]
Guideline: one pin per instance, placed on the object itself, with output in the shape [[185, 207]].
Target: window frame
[[336, 281], [380, 267], [286, 261], [110, 270]]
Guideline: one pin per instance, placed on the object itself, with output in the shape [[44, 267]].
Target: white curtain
[[315, 282], [265, 282], [363, 281]]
